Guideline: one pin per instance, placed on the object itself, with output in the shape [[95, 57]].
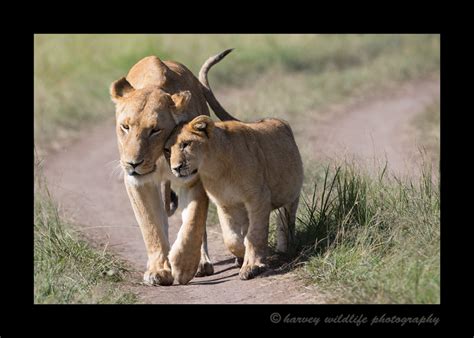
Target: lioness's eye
[[155, 131], [184, 145], [125, 127]]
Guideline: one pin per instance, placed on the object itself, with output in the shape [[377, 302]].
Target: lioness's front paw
[[184, 265], [250, 271], [205, 269], [158, 277]]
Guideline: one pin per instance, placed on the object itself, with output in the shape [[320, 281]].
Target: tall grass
[[281, 74], [371, 240], [66, 268]]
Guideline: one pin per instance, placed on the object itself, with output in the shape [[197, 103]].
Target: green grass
[[66, 268], [368, 239], [426, 127], [267, 75]]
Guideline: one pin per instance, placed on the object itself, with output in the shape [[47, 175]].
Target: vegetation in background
[[283, 75], [426, 125], [66, 268]]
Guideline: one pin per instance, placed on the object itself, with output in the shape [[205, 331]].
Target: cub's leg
[[233, 220], [286, 218], [205, 266], [256, 240]]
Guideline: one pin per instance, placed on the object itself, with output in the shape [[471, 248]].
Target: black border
[[195, 316]]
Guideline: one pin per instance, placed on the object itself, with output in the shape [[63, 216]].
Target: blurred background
[[286, 76]]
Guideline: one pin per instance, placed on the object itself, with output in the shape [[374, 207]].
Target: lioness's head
[[186, 147], [144, 120]]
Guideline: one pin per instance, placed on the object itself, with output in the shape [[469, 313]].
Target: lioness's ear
[[202, 124], [119, 89], [181, 100]]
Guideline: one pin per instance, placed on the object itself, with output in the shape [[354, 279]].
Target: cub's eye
[[125, 127], [184, 145], [155, 131]]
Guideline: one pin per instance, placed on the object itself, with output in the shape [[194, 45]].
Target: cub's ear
[[120, 89], [202, 124], [181, 100]]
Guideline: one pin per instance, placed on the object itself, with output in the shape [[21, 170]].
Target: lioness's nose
[[135, 164]]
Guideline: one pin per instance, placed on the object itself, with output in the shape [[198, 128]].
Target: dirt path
[[91, 194], [377, 129]]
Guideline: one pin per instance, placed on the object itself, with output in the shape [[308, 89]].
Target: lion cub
[[248, 170]]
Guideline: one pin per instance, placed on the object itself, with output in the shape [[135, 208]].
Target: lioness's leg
[[233, 220], [205, 267], [256, 241], [185, 252], [286, 218], [150, 213]]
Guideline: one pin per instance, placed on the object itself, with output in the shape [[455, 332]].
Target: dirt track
[[91, 193]]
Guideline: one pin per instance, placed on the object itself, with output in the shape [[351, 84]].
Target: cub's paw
[[159, 277], [250, 271], [205, 269]]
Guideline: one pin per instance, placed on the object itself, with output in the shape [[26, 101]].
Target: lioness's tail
[[208, 94]]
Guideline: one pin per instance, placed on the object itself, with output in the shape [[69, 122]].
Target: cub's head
[[144, 120], [187, 146]]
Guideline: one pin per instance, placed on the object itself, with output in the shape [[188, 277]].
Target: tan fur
[[248, 170], [153, 98]]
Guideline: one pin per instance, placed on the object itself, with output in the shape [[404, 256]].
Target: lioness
[[153, 98], [247, 170]]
